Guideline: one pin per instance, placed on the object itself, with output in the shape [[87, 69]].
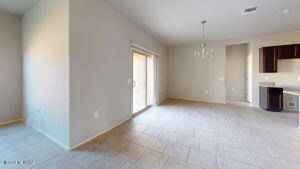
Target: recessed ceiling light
[[249, 10]]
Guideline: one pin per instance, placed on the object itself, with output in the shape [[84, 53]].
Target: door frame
[[146, 83], [138, 49]]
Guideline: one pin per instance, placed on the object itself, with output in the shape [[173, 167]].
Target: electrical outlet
[[206, 91], [291, 104], [44, 112], [96, 115], [221, 78], [298, 78], [233, 89]]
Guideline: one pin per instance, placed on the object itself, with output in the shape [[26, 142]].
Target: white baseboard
[[10, 122], [241, 103], [208, 101], [97, 135], [47, 135], [162, 100]]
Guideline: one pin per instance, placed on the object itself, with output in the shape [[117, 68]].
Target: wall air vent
[[249, 10]]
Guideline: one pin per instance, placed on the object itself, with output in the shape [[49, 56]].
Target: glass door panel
[[139, 82]]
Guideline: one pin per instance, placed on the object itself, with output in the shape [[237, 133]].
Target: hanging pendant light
[[203, 54]]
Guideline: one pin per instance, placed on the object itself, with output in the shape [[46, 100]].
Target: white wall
[[249, 72], [46, 68], [188, 78], [236, 72], [100, 64], [10, 68]]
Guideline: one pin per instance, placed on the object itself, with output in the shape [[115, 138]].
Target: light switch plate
[[96, 115]]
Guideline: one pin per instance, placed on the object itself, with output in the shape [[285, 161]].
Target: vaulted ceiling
[[177, 22]]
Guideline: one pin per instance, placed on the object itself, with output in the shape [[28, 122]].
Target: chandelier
[[203, 54]]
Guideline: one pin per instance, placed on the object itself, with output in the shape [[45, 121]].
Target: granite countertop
[[269, 84], [293, 92], [264, 85]]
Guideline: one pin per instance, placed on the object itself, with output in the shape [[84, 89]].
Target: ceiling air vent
[[249, 10]]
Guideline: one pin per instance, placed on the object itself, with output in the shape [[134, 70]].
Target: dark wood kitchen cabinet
[[298, 51], [268, 59], [287, 52], [271, 98]]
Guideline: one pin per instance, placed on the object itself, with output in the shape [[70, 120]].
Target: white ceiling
[[177, 22], [18, 7]]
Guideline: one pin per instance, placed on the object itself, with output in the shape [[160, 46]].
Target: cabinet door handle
[[280, 105], [274, 59]]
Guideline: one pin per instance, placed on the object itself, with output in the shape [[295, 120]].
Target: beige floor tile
[[153, 131], [185, 131], [240, 155], [253, 146], [129, 165], [178, 164], [89, 156], [138, 127], [156, 144], [295, 165], [141, 139], [113, 146], [211, 147], [205, 135], [151, 159], [224, 163], [44, 155], [109, 162], [61, 161], [269, 162], [203, 159], [132, 152], [169, 135], [227, 141], [178, 151], [284, 153], [191, 141]]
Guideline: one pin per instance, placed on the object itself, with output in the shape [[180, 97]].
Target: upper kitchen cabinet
[[287, 51], [268, 59], [270, 55]]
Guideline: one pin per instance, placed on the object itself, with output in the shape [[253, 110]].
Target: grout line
[[187, 160], [166, 146], [166, 163]]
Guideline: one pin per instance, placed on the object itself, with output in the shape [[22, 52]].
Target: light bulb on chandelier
[[203, 54]]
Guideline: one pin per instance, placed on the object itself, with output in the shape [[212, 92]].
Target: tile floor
[[175, 135]]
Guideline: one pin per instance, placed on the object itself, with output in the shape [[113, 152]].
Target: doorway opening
[[143, 84], [237, 74]]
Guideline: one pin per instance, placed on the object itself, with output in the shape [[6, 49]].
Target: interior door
[[139, 82]]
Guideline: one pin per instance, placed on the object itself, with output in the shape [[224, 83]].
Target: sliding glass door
[[139, 82], [143, 81]]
